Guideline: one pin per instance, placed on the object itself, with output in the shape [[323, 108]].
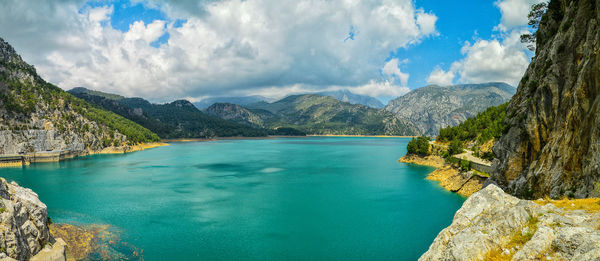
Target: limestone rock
[[492, 223], [23, 222]]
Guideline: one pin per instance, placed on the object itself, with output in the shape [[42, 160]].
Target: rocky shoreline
[[449, 177], [36, 157]]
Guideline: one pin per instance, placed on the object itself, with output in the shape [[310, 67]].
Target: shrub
[[455, 148]]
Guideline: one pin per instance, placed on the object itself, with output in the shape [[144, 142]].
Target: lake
[[314, 198]]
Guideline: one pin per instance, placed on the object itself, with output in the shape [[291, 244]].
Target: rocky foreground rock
[[493, 225], [24, 230]]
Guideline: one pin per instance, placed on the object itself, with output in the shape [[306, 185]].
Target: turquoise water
[[316, 198]]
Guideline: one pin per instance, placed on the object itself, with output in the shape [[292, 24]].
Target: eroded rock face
[[552, 146], [492, 224], [23, 222]]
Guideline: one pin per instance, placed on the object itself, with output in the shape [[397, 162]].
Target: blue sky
[[165, 50], [458, 21]]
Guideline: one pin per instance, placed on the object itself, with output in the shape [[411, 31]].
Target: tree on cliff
[[535, 16]]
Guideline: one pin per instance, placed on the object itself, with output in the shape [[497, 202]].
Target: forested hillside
[[38, 116], [178, 119]]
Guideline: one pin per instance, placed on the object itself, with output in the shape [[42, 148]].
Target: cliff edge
[[552, 146]]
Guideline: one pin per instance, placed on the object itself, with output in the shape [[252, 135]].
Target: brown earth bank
[[464, 183]]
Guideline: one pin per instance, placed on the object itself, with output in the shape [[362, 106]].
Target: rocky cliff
[[24, 226], [552, 146], [36, 116], [434, 107], [493, 225]]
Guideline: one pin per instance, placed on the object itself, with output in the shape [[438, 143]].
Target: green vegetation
[[485, 126], [179, 119], [535, 16], [476, 131], [464, 165], [419, 146], [455, 147]]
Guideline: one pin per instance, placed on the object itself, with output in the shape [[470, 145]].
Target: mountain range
[[434, 107], [242, 100], [315, 114], [350, 97], [177, 119]]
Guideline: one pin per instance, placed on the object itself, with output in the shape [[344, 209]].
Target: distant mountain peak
[[346, 95], [433, 107]]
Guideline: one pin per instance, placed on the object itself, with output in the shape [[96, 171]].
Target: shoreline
[[45, 157], [364, 136], [447, 176], [228, 138]]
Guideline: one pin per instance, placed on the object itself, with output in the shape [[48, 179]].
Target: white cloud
[[487, 61], [392, 71], [493, 60], [380, 88], [224, 47], [440, 77], [501, 59], [514, 12]]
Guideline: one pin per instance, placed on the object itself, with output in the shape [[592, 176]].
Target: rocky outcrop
[[552, 146], [434, 107], [493, 225], [24, 225], [464, 183]]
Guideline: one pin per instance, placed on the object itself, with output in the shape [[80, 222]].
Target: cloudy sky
[[163, 50]]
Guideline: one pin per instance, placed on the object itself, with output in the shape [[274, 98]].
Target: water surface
[[316, 198]]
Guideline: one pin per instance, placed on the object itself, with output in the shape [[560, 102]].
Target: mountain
[[347, 96], [36, 116], [434, 107], [237, 113], [245, 100], [178, 119], [316, 114], [552, 146]]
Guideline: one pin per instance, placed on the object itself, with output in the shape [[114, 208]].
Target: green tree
[[455, 148], [419, 146], [535, 16]]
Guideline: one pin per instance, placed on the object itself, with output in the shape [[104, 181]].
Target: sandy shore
[[126, 149]]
